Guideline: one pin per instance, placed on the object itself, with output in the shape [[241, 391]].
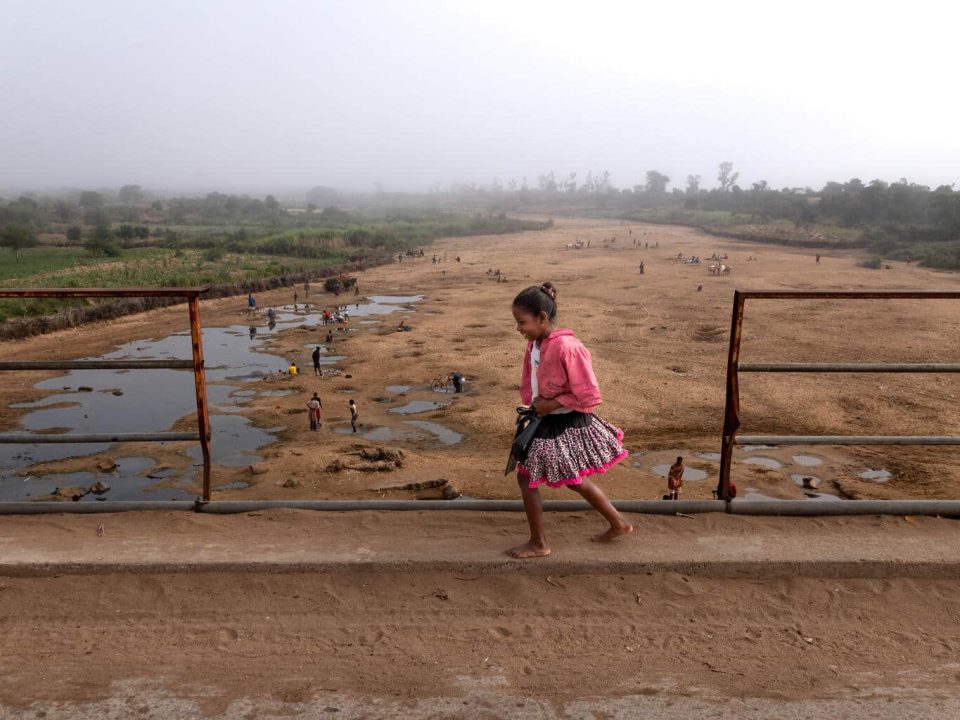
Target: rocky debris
[[423, 485], [811, 482], [376, 467], [71, 492], [257, 469], [84, 388], [99, 488], [106, 464], [339, 465], [118, 393], [380, 453], [291, 483], [450, 492]]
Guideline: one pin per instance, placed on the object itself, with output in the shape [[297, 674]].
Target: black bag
[[528, 422]]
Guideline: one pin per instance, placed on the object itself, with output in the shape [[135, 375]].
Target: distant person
[[251, 303], [271, 314], [293, 369], [306, 289], [316, 360], [253, 331], [642, 267], [457, 379], [295, 297], [329, 336], [818, 258], [699, 288], [571, 442], [675, 480], [354, 414], [314, 407], [356, 290]]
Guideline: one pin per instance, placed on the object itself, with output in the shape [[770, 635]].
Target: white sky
[[284, 94]]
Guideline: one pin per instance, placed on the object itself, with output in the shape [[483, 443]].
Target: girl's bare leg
[[533, 507], [594, 495]]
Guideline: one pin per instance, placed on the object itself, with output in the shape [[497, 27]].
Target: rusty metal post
[[731, 412], [200, 383]]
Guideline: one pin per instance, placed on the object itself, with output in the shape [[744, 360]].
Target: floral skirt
[[570, 446]]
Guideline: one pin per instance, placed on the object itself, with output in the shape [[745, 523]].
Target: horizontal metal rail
[[845, 440], [25, 439], [184, 292], [97, 365], [844, 367], [850, 294], [731, 414]]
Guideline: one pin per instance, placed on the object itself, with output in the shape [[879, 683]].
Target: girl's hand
[[545, 406]]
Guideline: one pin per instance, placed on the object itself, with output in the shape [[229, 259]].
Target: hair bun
[[550, 290]]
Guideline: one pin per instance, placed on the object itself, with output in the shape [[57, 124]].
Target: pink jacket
[[565, 373]]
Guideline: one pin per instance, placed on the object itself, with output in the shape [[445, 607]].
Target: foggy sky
[[287, 94]]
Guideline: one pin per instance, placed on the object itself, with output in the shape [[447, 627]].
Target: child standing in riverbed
[[571, 443], [354, 415], [315, 407]]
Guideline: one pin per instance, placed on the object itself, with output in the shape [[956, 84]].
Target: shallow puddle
[[127, 482], [764, 462], [688, 473], [445, 435], [707, 455], [879, 476], [417, 406], [751, 448], [397, 388], [235, 441], [151, 400], [377, 434], [807, 460]]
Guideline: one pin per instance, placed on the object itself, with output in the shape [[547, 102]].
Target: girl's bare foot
[[528, 550], [613, 533]]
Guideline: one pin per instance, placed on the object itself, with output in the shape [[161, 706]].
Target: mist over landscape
[[186, 97]]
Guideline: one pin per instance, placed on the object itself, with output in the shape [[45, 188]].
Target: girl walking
[[571, 443]]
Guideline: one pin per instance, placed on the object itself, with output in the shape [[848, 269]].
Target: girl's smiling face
[[532, 327]]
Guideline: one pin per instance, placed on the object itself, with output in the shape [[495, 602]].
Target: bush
[[214, 254]]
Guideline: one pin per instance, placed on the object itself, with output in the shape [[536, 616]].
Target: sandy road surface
[[420, 615]]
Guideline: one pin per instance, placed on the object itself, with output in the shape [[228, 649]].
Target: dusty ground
[[659, 349], [419, 615]]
